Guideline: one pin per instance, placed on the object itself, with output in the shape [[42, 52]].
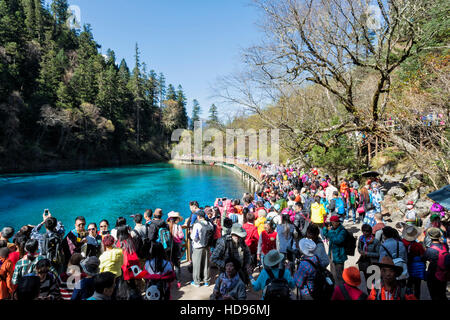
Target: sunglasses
[[91, 229], [42, 272]]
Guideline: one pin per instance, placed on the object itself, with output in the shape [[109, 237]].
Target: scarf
[[227, 284], [366, 242]]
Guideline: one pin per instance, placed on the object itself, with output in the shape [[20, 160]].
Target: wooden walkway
[[253, 173]]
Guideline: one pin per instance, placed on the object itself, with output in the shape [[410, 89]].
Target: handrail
[[253, 172]]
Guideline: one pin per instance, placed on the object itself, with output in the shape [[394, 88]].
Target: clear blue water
[[112, 192]]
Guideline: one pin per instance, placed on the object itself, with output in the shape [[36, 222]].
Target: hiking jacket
[[318, 213], [284, 243], [6, 274], [112, 261], [321, 254], [238, 292], [372, 250], [226, 248], [260, 283], [337, 238], [252, 237], [391, 245], [154, 227]]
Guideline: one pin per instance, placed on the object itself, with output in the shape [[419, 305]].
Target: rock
[[412, 196], [423, 208], [397, 192], [397, 216], [413, 183]]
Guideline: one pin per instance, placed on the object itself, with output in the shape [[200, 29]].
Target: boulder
[[423, 207], [412, 196], [397, 216], [397, 192]]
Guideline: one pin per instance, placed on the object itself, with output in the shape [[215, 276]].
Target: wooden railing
[[253, 172]]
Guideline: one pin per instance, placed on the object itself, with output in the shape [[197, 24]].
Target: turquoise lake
[[112, 192]]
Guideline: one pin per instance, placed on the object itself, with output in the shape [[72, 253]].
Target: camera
[[46, 211]]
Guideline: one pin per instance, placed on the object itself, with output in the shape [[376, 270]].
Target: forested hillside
[[63, 103]]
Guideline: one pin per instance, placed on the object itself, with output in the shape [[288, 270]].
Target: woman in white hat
[[304, 277], [271, 264], [174, 254]]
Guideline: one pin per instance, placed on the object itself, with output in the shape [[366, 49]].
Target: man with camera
[[50, 242], [75, 239]]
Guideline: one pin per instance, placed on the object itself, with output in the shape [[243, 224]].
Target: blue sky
[[191, 41]]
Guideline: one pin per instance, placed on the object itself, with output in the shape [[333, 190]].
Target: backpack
[[307, 206], [207, 235], [51, 248], [399, 262], [344, 291], [352, 198], [442, 271], [164, 237], [143, 247], [301, 224], [349, 244], [157, 289], [276, 288], [340, 207], [323, 283]]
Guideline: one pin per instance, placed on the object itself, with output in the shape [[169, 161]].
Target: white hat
[[307, 246]]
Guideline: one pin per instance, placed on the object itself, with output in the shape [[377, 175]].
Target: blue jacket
[[260, 283], [337, 238]]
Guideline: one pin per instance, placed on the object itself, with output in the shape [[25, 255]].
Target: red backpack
[[442, 272]]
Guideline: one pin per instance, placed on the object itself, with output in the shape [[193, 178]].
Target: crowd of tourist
[[287, 240]]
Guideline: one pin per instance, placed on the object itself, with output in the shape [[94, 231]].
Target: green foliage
[[195, 113], [60, 96]]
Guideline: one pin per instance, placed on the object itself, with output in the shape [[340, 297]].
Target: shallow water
[[112, 192]]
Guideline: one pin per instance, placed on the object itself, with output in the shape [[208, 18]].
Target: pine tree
[[60, 11], [136, 88], [161, 89], [53, 63], [30, 19], [171, 94], [84, 79], [108, 99], [213, 115], [181, 99], [39, 20], [195, 113]]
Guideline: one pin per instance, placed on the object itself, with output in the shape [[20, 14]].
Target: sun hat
[[410, 232], [90, 265], [351, 276], [387, 262], [410, 203], [238, 230], [434, 233], [334, 219], [273, 258], [307, 246], [175, 215]]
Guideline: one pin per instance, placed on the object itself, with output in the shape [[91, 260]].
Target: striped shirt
[[26, 266], [67, 283]]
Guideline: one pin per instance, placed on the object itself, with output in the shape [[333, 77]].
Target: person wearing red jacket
[[252, 237], [267, 240], [349, 289]]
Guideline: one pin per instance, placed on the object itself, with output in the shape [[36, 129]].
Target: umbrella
[[370, 174], [441, 196]]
